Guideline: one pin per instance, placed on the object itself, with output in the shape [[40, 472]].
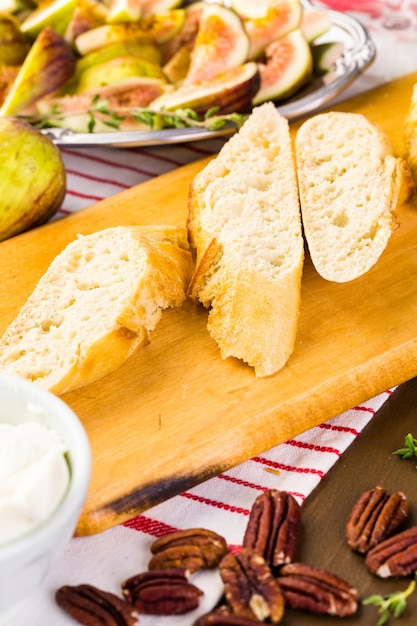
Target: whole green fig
[[32, 177]]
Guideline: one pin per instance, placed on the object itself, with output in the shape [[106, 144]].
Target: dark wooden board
[[368, 462]]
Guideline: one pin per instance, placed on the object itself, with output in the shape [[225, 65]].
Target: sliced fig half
[[155, 7], [288, 66], [107, 34], [120, 11], [163, 26], [314, 23], [282, 17], [142, 48], [55, 14], [250, 9], [48, 65], [221, 44], [232, 92], [187, 35], [116, 71], [178, 65], [325, 56], [131, 57], [160, 28], [73, 109], [8, 75], [87, 14]]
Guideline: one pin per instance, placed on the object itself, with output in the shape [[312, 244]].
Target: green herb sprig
[[100, 109], [410, 448], [392, 604], [183, 118]]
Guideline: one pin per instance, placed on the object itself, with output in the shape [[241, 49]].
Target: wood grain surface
[[367, 463], [176, 414]]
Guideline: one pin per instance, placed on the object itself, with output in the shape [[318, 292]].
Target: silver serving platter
[[358, 53]]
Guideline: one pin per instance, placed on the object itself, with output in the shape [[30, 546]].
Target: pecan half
[[91, 606], [273, 527], [376, 516], [250, 588], [396, 556], [224, 618], [162, 592], [192, 549], [315, 590]]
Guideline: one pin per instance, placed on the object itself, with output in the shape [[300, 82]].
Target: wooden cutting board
[[176, 414], [368, 462]]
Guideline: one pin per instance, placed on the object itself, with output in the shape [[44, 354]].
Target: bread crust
[[410, 135], [96, 304], [245, 229], [350, 186]]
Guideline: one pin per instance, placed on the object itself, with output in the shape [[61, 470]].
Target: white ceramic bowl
[[25, 561]]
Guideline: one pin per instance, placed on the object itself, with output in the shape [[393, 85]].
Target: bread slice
[[410, 135], [350, 184], [96, 304], [244, 224]]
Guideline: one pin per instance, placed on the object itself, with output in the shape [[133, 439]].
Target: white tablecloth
[[222, 503]]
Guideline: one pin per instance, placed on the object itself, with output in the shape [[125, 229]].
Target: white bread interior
[[350, 185], [244, 224], [96, 304]]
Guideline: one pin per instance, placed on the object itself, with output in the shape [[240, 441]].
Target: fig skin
[[142, 49], [33, 178], [288, 67], [87, 14], [280, 19], [231, 92], [116, 71], [13, 44], [48, 65], [56, 14]]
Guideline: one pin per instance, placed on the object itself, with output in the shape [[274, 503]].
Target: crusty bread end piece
[[410, 135], [350, 185], [96, 304], [244, 224]]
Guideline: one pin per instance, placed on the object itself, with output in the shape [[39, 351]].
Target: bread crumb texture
[[96, 304], [246, 198], [350, 184], [245, 226]]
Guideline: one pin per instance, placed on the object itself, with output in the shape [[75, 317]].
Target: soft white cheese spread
[[34, 476]]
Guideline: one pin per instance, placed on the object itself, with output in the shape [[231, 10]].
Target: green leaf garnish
[[410, 448], [392, 604], [155, 120]]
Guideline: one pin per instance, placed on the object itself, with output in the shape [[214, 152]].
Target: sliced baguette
[[244, 224], [96, 304], [410, 135], [350, 185]]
